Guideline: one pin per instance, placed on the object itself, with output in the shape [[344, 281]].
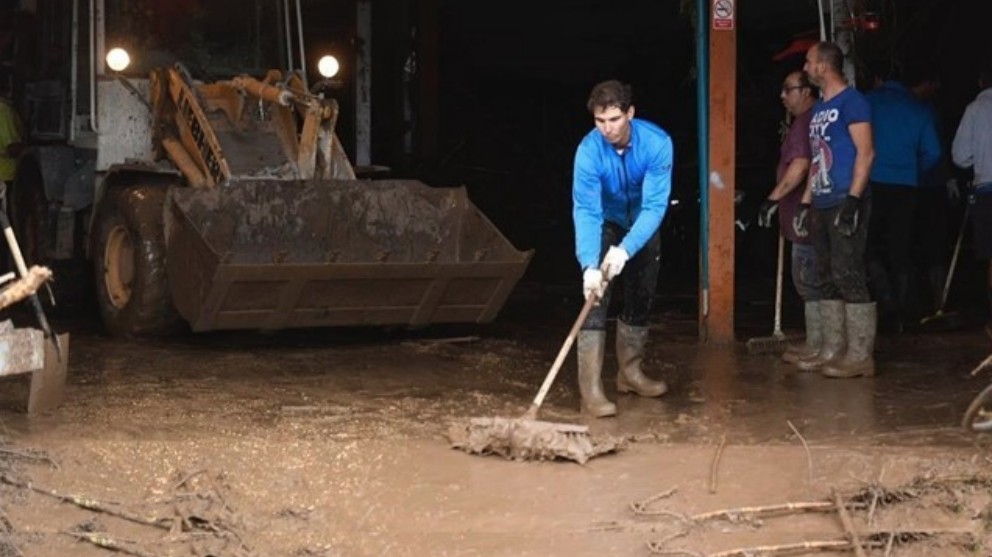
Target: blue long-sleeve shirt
[[629, 189], [973, 140], [905, 134]]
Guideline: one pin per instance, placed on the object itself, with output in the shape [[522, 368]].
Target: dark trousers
[[890, 248], [840, 260], [890, 231], [931, 229], [639, 279]]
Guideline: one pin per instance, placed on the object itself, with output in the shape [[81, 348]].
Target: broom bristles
[[775, 344], [522, 439]]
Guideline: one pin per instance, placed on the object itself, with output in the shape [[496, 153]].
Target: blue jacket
[[905, 134], [630, 190]]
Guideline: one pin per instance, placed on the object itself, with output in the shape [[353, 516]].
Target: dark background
[[496, 102], [513, 76]]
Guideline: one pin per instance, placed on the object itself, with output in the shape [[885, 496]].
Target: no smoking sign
[[723, 14]]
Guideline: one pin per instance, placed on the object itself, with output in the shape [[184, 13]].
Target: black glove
[[800, 222], [849, 216], [766, 212]]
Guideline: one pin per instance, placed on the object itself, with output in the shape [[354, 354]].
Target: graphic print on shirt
[[823, 157]]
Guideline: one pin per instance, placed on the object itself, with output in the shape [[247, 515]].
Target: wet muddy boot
[[591, 347], [814, 336], [630, 355], [858, 360], [832, 329]]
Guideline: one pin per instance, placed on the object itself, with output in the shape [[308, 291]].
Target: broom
[[946, 320], [527, 438], [777, 342]]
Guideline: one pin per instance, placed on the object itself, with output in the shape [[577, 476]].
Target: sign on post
[[723, 14]]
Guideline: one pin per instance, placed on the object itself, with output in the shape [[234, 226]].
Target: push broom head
[[524, 439], [774, 344]]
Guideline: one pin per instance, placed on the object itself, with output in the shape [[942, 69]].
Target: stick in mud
[[715, 467], [787, 549], [105, 542], [641, 507], [845, 520], [7, 546], [809, 455], [28, 456], [90, 504]]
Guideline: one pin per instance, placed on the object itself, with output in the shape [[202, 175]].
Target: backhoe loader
[[207, 189]]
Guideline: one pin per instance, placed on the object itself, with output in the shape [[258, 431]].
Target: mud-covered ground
[[332, 443]]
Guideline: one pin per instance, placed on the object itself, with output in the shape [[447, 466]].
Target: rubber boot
[[858, 360], [591, 347], [832, 327], [630, 355], [814, 336]]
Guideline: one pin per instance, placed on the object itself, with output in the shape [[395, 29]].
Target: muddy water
[[332, 443]]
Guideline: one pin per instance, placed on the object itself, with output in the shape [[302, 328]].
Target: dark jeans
[[639, 279], [840, 260], [931, 229], [890, 249], [890, 231], [804, 275]]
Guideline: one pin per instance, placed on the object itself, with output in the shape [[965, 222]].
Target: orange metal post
[[719, 315]]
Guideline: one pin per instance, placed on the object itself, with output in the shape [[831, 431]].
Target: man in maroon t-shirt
[[798, 96]]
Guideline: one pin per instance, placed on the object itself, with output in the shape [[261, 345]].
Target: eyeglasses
[[787, 88]]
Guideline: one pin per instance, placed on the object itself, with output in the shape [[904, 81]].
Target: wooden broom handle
[[563, 353]]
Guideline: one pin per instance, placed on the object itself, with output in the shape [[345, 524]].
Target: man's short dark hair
[[880, 69], [608, 94], [985, 74], [920, 73], [807, 84], [832, 55]]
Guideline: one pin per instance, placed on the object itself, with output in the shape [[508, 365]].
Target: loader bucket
[[271, 254]]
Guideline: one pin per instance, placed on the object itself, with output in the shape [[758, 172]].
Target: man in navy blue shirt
[[906, 148], [621, 183], [835, 211]]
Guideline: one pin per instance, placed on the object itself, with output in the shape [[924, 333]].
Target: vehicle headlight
[[328, 66], [118, 59]]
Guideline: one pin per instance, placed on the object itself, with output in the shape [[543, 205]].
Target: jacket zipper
[[625, 183]]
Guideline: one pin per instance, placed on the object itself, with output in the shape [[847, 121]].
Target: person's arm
[[10, 131], [930, 150], [807, 190], [961, 149], [793, 177], [587, 209], [861, 136], [655, 191]]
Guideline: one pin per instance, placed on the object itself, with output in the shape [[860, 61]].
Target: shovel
[[22, 271]]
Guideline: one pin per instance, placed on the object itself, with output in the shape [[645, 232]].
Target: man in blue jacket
[[621, 183], [906, 147]]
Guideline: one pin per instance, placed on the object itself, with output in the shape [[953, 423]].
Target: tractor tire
[[129, 263]]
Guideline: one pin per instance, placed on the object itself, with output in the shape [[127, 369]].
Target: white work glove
[[953, 192], [593, 283], [616, 258]]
